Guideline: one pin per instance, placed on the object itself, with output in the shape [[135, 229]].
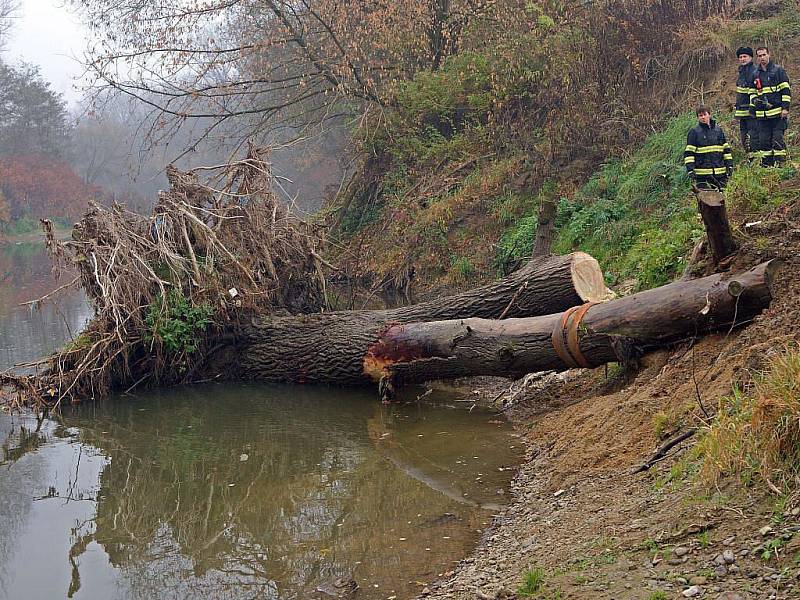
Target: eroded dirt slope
[[593, 527]]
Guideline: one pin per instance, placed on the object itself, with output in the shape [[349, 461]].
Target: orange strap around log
[[565, 337], [559, 340]]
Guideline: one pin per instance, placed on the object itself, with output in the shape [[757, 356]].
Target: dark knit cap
[[744, 50]]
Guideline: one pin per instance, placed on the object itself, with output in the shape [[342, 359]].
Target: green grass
[[756, 433], [659, 595], [517, 241], [606, 557], [636, 216], [778, 510], [520, 235], [462, 270], [704, 539], [783, 25], [661, 424], [532, 582], [753, 189], [680, 471], [651, 545]]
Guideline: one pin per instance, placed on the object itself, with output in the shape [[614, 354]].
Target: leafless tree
[[8, 11], [256, 66]]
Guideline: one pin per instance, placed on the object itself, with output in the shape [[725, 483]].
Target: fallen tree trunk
[[330, 347], [250, 344], [555, 281], [587, 337]]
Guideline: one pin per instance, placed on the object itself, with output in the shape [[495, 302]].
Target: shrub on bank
[[635, 216], [756, 433]]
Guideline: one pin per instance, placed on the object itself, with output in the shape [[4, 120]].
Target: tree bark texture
[[603, 333], [546, 228], [715, 219], [330, 347]]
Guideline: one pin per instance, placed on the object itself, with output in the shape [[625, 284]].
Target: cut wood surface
[[444, 349], [330, 347]]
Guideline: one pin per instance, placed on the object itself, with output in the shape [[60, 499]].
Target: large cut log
[[330, 347], [587, 337]]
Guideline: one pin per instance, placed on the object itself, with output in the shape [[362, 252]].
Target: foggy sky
[[46, 34]]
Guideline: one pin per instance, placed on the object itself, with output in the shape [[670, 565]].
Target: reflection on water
[[235, 491], [245, 491], [26, 333]]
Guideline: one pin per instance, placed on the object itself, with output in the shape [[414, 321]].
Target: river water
[[232, 491]]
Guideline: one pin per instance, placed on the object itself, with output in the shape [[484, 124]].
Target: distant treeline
[[45, 165]]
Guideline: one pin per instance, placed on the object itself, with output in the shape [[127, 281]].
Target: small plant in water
[[532, 582]]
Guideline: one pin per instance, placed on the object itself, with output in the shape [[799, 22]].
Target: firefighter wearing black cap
[[744, 89], [769, 103], [707, 156]]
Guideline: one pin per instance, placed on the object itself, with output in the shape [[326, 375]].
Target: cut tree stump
[[330, 347], [715, 218], [546, 228], [587, 337]]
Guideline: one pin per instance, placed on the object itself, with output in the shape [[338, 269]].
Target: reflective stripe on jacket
[[775, 94], [707, 151], [744, 89]]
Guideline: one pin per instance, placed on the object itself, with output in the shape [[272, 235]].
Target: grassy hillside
[[455, 171]]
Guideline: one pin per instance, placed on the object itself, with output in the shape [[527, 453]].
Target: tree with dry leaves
[[250, 67]]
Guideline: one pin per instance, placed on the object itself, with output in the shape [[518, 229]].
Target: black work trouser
[[770, 142], [747, 135], [712, 182]]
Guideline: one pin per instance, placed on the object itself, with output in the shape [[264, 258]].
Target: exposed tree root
[[160, 286]]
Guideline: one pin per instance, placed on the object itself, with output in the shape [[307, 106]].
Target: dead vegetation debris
[[210, 253]]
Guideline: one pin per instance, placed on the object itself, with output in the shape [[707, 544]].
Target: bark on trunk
[[546, 228], [330, 347], [715, 219], [444, 349]]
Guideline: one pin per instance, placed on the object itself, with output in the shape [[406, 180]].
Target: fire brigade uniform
[[708, 156], [771, 94], [747, 123]]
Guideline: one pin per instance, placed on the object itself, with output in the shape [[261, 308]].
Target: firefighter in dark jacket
[[744, 89], [769, 103], [707, 156]]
